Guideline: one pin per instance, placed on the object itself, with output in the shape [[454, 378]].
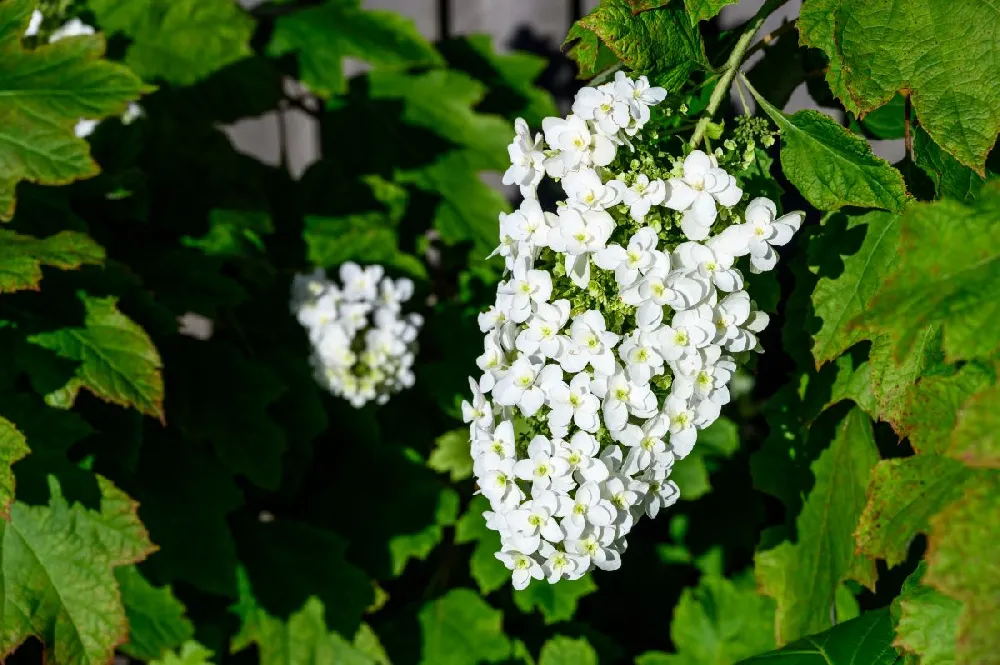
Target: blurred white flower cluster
[[74, 28], [615, 334], [363, 345]]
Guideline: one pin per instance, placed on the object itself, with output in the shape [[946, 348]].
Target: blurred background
[[533, 26]]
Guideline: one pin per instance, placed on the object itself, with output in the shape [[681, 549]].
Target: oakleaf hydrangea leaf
[[419, 545], [976, 440], [951, 179], [948, 271], [12, 448], [190, 653], [904, 494], [700, 10], [927, 621], [156, 621], [451, 455], [804, 577], [933, 405], [301, 638], [324, 35], [460, 628], [962, 563], [865, 640], [831, 166], [562, 650], [118, 361], [839, 300], [925, 43], [180, 41], [43, 94], [717, 623], [22, 257], [556, 602], [816, 28], [56, 575], [662, 44]]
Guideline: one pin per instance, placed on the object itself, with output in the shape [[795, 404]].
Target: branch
[[765, 41], [731, 67]]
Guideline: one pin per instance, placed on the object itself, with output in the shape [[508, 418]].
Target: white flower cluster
[[363, 345], [74, 28], [607, 349]]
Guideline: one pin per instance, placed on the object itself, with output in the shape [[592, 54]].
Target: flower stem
[[731, 67]]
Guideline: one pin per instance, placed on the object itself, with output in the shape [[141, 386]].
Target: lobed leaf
[[927, 622], [903, 495], [322, 36], [43, 94], [803, 577], [50, 591], [179, 41], [460, 628], [832, 167], [662, 44], [866, 640], [947, 271], [962, 564], [22, 257], [156, 621], [562, 650], [13, 447], [118, 362]]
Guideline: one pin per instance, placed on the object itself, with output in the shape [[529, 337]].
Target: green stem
[[731, 67]]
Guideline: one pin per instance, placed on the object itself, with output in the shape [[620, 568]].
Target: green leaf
[[451, 455], [223, 400], [286, 562], [233, 233], [934, 404], [803, 577], [419, 545], [556, 602], [191, 653], [460, 628], [904, 494], [703, 10], [951, 179], [302, 638], [488, 572], [156, 621], [831, 166], [56, 575], [887, 122], [13, 447], [503, 74], [118, 362], [962, 564], [22, 257], [976, 439], [717, 623], [947, 272], [663, 44], [718, 441], [43, 94], [816, 29], [922, 44], [927, 622], [176, 480], [562, 650], [839, 300], [444, 101], [323, 36], [180, 41], [866, 640], [365, 237]]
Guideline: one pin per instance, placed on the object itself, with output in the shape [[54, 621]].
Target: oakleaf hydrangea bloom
[[363, 345], [619, 324]]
